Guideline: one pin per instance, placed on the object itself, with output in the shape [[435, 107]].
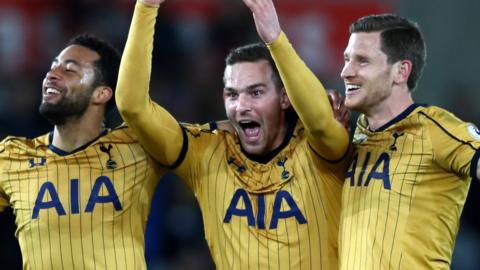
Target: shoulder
[[436, 112], [215, 128], [440, 121], [436, 116], [22, 144], [120, 134], [19, 149]]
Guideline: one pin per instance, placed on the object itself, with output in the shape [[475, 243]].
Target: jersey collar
[[61, 152], [363, 120]]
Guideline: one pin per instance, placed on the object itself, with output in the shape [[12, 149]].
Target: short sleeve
[[455, 143]]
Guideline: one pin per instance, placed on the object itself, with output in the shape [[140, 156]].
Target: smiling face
[[254, 106], [367, 75], [68, 86]]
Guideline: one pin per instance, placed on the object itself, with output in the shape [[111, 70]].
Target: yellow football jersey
[[283, 214], [280, 212], [81, 210], [405, 191]]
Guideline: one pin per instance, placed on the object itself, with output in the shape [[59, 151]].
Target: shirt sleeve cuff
[[473, 165], [148, 5], [281, 40]]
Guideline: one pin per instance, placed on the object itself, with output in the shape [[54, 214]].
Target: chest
[[389, 160], [282, 194], [43, 185]]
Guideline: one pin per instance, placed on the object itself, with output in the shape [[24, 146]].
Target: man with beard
[[81, 193], [269, 190]]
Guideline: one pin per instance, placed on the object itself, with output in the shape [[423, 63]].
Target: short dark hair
[[253, 53], [400, 39], [106, 67]]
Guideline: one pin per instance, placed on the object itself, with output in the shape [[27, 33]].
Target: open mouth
[[251, 129], [352, 87], [51, 91]]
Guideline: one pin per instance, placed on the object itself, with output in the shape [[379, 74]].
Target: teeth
[[352, 87], [52, 91], [245, 122]]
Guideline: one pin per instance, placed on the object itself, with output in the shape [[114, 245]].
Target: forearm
[[309, 99], [156, 129]]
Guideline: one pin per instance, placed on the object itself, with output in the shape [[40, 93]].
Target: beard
[[66, 108]]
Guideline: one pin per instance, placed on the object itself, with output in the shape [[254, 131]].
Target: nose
[[347, 71], [243, 103], [53, 74]]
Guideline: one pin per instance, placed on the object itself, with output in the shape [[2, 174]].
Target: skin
[[250, 96], [268, 29], [373, 86], [396, 96], [266, 19], [151, 2], [383, 92], [70, 83], [341, 113], [264, 105]]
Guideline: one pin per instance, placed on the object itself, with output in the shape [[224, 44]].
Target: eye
[[257, 92], [231, 94], [71, 68], [363, 61]]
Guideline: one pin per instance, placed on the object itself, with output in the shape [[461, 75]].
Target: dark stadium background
[[192, 37]]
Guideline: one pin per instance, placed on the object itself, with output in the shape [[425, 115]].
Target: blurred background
[[192, 38]]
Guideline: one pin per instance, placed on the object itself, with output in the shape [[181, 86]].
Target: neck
[[287, 134], [76, 133], [395, 104]]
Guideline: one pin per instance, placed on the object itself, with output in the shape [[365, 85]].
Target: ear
[[102, 94], [284, 100], [402, 71]]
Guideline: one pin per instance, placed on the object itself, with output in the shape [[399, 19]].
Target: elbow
[[126, 110], [331, 145], [128, 113], [120, 101], [338, 149]]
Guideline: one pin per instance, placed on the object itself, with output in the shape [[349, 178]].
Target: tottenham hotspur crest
[[111, 164], [474, 132]]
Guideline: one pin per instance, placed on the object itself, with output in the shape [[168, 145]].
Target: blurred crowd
[[192, 37]]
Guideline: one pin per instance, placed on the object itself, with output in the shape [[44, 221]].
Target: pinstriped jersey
[[280, 213], [405, 191], [81, 210], [283, 214]]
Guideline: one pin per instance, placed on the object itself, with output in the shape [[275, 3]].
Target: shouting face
[[254, 106]]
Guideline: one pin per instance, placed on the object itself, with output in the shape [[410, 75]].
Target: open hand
[[266, 19], [151, 2], [341, 113]]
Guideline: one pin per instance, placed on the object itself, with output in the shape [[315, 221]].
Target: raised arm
[[156, 129], [327, 136]]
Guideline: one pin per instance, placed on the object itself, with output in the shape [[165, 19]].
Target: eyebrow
[[68, 61], [250, 87]]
